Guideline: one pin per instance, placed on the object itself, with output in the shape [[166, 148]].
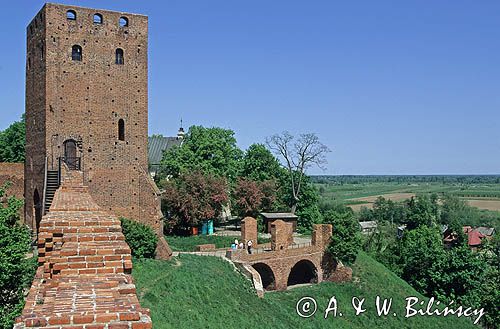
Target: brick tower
[[87, 109]]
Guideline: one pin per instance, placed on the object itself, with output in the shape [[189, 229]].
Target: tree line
[[449, 273], [444, 179], [209, 173]]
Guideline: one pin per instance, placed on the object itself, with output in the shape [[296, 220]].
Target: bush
[[141, 238], [346, 238], [16, 270]]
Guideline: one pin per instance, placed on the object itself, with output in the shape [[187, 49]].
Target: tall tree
[[12, 142], [252, 197], [298, 155], [260, 164], [195, 197], [209, 150], [346, 238]]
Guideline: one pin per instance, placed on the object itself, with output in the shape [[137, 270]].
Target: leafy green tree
[[209, 150], [346, 238], [16, 269], [422, 211], [490, 285], [259, 164], [141, 238], [420, 249], [12, 142], [457, 276]]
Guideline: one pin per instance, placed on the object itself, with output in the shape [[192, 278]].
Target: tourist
[[249, 246], [236, 242], [242, 245]]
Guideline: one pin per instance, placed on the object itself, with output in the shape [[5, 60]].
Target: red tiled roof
[[474, 238]]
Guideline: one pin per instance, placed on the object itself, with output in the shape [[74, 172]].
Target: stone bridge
[[284, 264], [84, 276]]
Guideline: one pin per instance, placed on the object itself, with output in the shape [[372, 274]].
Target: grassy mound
[[205, 292]]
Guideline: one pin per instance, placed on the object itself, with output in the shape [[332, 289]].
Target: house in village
[[368, 227], [475, 236]]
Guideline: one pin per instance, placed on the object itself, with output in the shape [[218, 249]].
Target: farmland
[[482, 192]]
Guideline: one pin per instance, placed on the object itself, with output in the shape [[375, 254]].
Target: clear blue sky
[[392, 87]]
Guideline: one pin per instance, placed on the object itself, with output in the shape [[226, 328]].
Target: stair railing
[[44, 186]]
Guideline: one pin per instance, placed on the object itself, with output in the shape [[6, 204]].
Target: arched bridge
[[284, 264]]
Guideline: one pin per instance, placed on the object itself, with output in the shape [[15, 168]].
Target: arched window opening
[[71, 15], [76, 53], [121, 130], [119, 59], [266, 276], [123, 21], [97, 19], [302, 272]]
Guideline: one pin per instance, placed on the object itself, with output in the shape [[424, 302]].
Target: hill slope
[[205, 292]]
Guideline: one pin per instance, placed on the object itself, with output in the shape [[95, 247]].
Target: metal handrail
[[44, 187], [73, 163]]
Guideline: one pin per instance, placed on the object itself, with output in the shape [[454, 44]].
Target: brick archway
[[266, 276], [304, 271]]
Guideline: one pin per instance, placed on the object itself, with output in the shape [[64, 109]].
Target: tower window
[[71, 15], [76, 53], [119, 59], [121, 130], [97, 19], [123, 21]]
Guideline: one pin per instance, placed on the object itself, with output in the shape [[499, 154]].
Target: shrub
[[346, 238], [141, 238], [16, 270]]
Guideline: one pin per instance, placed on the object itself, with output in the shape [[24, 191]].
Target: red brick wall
[[84, 275], [84, 100], [14, 174], [281, 261], [249, 230]]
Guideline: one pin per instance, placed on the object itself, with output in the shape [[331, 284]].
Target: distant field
[[358, 191], [488, 204], [367, 201]]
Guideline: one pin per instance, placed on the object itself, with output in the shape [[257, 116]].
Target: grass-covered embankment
[[205, 292]]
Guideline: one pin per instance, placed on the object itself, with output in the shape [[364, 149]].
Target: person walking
[[249, 246]]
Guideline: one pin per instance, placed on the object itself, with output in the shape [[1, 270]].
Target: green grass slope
[[205, 292]]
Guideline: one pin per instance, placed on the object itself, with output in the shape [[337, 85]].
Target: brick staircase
[[84, 276]]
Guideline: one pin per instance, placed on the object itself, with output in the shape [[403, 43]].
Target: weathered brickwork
[[249, 230], [278, 265], [83, 280], [85, 97], [13, 173]]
